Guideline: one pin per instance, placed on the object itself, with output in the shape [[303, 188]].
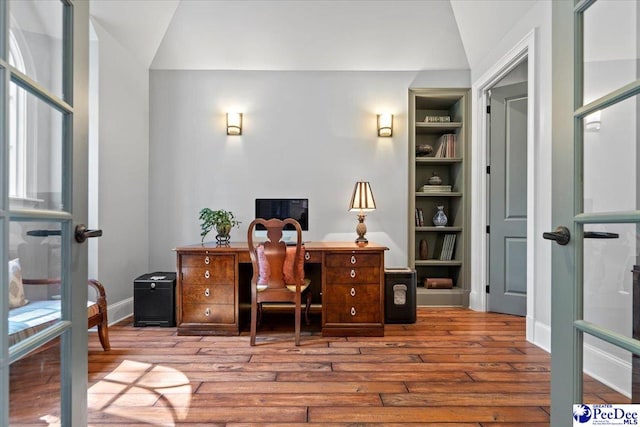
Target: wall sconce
[[234, 123], [385, 124], [361, 201]]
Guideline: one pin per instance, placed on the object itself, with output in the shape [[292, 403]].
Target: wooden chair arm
[[101, 294], [98, 287]]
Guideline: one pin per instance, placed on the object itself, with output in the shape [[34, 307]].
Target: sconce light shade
[[592, 122], [362, 200], [385, 124], [234, 123]]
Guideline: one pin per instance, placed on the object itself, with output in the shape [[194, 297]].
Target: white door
[[43, 136], [596, 198], [508, 199]]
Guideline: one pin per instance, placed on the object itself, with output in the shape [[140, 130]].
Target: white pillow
[[16, 289]]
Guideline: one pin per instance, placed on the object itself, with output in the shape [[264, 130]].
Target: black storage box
[[399, 295], [154, 301]]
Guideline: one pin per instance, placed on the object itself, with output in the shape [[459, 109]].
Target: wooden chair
[[278, 272], [96, 312]]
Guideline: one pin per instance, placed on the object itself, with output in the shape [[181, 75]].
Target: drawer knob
[[353, 292], [353, 311], [206, 292], [307, 256], [207, 260], [353, 259], [207, 274], [207, 312], [353, 273]]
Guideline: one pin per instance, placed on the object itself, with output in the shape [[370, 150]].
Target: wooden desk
[[213, 293]]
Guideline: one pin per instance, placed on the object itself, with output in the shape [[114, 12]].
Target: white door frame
[[523, 50]]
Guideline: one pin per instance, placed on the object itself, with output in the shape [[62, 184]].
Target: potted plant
[[221, 219]]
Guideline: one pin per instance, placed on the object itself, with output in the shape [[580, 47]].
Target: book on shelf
[[447, 146], [419, 217], [438, 283], [435, 188], [444, 248]]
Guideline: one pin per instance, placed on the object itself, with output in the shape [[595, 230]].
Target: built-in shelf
[[438, 193], [437, 128], [435, 229], [438, 160], [436, 262], [453, 171]]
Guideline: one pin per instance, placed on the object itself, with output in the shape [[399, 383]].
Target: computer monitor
[[297, 209]]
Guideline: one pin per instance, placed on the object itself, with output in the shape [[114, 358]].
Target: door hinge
[[488, 229], [489, 170], [488, 109], [487, 289]]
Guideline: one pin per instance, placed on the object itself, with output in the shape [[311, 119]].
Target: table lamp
[[362, 200]]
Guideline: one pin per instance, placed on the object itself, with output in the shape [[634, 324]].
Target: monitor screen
[[297, 209]]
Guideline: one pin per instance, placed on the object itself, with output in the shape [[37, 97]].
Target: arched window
[[17, 127]]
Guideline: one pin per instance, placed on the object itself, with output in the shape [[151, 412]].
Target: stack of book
[[447, 146], [435, 188], [437, 119], [445, 247]]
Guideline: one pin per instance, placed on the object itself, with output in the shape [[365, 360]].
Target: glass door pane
[[35, 270], [35, 40], [36, 129], [610, 47], [35, 388]]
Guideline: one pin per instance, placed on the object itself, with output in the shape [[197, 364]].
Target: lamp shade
[[362, 198], [385, 124], [234, 123]]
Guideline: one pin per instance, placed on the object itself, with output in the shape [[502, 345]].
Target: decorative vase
[[440, 219], [423, 150], [424, 249], [223, 234], [435, 179]]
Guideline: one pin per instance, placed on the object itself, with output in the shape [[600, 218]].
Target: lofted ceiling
[[358, 35]]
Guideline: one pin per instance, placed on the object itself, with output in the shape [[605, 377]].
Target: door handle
[[83, 233], [561, 235], [600, 235]]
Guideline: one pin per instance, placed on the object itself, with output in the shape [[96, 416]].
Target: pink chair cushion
[[288, 273], [264, 269]]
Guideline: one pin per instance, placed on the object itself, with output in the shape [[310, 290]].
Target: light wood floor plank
[[452, 368]]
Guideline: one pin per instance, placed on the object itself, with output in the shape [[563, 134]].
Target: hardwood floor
[[453, 367]]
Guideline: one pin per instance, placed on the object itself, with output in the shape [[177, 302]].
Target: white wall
[[538, 18], [612, 151], [305, 134], [123, 153]]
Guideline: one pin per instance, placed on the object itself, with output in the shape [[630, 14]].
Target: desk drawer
[[353, 313], [207, 261], [218, 294], [352, 260], [352, 275], [211, 275], [208, 313], [356, 294]]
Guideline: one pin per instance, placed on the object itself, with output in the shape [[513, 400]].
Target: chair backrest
[[274, 252]]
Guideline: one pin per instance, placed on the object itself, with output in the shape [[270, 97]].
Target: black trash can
[[399, 295], [154, 299]]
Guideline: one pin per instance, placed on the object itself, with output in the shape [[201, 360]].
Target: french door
[[43, 153], [596, 198]]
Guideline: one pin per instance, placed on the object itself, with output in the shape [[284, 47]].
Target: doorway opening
[[522, 53]]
